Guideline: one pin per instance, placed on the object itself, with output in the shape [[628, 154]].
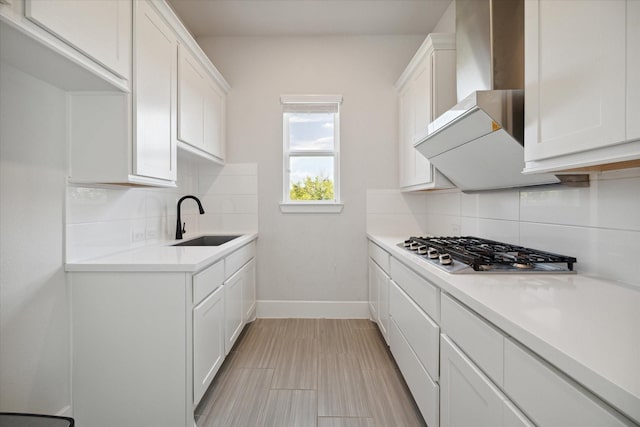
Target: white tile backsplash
[[599, 225], [108, 219]]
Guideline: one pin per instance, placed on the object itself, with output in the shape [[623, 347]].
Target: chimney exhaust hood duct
[[479, 143]]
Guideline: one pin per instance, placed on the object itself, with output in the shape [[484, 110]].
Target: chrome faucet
[[180, 225]]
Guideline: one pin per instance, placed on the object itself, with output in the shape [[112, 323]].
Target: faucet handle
[[184, 224]]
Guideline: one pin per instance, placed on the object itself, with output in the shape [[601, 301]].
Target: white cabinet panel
[[233, 314], [480, 341], [208, 342], [548, 397], [426, 295], [215, 107], [100, 29], [575, 81], [420, 331], [233, 262], [207, 281], [155, 81], [633, 69], [425, 391], [380, 256], [373, 291], [383, 302], [425, 90], [190, 99], [512, 417], [467, 397], [249, 291]]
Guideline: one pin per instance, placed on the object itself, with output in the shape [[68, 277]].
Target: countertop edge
[[110, 263]]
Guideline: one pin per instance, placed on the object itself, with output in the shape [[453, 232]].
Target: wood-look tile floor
[[309, 373]]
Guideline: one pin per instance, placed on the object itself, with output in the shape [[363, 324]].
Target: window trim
[[310, 206]]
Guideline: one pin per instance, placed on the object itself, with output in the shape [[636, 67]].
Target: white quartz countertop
[[163, 257], [586, 327]]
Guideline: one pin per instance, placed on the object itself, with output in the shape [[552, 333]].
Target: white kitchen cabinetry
[[578, 113], [240, 280], [145, 340], [468, 397], [249, 292], [100, 29], [426, 89], [130, 138], [548, 397], [208, 327], [208, 341], [379, 283], [201, 109], [155, 82], [71, 44]]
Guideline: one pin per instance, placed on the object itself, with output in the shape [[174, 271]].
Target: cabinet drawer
[[425, 392], [480, 341], [548, 397], [233, 262], [422, 333], [207, 281], [426, 295], [380, 256]]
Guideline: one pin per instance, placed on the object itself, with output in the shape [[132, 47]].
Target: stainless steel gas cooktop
[[470, 254]]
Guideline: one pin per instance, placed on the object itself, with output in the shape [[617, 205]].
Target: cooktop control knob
[[445, 259], [432, 253], [407, 243], [414, 246], [422, 250]]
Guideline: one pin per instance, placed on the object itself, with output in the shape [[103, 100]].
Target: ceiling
[[308, 17]]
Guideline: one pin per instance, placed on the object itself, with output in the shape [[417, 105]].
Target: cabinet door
[[191, 87], [574, 76], [100, 29], [249, 290], [214, 120], [383, 302], [155, 84], [633, 69], [421, 86], [373, 291], [233, 316], [405, 135], [467, 397], [208, 341]]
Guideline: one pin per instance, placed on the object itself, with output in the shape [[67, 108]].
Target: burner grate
[[484, 254]]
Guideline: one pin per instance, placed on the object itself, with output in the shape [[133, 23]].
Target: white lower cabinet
[[383, 285], [249, 291], [208, 341], [424, 390], [548, 397], [373, 291], [379, 282], [233, 316], [146, 345]]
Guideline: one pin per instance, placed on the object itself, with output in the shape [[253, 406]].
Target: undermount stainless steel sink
[[207, 241]]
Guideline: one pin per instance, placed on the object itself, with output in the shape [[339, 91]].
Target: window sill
[[311, 207]]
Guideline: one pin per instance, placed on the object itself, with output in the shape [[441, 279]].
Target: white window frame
[[310, 206]]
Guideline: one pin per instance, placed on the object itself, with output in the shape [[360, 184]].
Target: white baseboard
[[313, 309]]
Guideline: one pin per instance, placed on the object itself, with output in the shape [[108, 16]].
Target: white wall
[[307, 256], [34, 325], [447, 23]]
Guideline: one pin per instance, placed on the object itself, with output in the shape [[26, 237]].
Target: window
[[311, 147]]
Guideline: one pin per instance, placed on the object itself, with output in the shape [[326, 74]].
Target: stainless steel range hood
[[479, 143]]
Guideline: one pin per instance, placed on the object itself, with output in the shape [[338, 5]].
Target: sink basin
[[207, 241]]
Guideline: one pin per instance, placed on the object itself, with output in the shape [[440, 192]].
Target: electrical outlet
[[137, 236], [152, 234]]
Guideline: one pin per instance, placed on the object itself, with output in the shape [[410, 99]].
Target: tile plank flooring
[[309, 373]]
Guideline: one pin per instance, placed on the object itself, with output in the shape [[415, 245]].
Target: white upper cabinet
[[426, 89], [576, 81], [633, 69], [155, 82], [100, 29], [201, 109]]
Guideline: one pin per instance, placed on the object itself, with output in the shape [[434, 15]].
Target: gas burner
[[473, 254]]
